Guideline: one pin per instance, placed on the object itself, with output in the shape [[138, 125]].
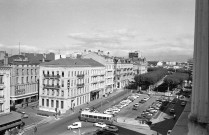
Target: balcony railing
[[2, 85], [51, 76], [47, 86], [81, 85], [80, 76], [1, 96]]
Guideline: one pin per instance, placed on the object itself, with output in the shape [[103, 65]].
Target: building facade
[[123, 72], [24, 83], [66, 83], [24, 80], [4, 89], [109, 68]]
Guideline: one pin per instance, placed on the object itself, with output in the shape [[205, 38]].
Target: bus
[[96, 117]]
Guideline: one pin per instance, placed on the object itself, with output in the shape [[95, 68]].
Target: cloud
[[102, 39], [14, 49]]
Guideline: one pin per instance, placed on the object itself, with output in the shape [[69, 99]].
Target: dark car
[[183, 103], [103, 132], [111, 128]]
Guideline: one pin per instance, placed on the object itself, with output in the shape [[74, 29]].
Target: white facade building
[[5, 89], [66, 83]]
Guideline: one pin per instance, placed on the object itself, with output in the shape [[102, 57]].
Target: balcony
[[1, 96], [80, 76], [2, 85], [81, 85], [47, 86], [51, 76]]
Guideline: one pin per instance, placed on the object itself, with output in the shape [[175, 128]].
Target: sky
[[159, 29]]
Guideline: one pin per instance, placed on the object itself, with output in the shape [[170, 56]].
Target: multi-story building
[[109, 68], [139, 66], [66, 83], [24, 80], [8, 120], [123, 72], [4, 89]]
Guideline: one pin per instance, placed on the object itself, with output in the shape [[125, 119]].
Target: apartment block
[[109, 68], [123, 72], [24, 80], [66, 83], [4, 89]]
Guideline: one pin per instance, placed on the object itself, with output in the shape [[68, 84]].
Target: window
[[22, 71], [52, 73], [52, 103], [43, 91], [43, 72], [75, 73], [57, 92], [68, 73], [1, 79], [72, 73], [17, 72], [57, 104], [47, 102], [31, 71], [22, 80], [62, 73], [35, 79], [57, 72], [52, 92], [42, 102], [35, 71], [62, 104], [62, 83], [27, 71], [62, 93], [31, 79], [47, 91], [27, 79]]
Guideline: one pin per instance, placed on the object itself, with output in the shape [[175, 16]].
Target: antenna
[[19, 48]]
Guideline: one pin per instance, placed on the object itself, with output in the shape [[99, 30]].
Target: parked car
[[87, 109], [24, 115], [74, 125], [100, 124], [103, 132], [172, 111], [183, 103], [111, 128], [169, 132], [135, 108], [142, 101], [136, 104]]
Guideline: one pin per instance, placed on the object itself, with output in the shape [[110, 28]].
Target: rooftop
[[69, 62]]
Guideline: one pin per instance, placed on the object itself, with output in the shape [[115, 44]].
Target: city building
[[135, 54], [139, 66], [8, 120], [123, 72], [4, 89], [109, 67], [66, 83], [24, 80]]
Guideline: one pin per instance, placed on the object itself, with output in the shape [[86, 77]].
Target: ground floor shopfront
[[20, 101], [10, 121]]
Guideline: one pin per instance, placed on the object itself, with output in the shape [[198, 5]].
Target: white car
[[169, 132], [100, 124], [87, 109], [108, 112], [146, 99], [74, 125]]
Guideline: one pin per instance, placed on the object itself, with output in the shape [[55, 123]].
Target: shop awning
[[9, 120], [97, 90]]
